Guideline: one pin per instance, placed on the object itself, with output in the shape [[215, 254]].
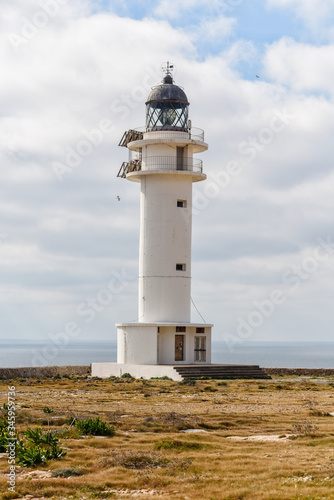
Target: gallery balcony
[[140, 133], [167, 163]]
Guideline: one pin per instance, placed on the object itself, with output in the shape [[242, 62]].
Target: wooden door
[[179, 347]]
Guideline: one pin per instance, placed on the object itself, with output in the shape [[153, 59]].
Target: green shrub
[[67, 472], [126, 375], [37, 448], [3, 441], [3, 424], [34, 435], [72, 433], [95, 427], [47, 410], [188, 381], [178, 445], [4, 436], [161, 378], [131, 459], [29, 457], [137, 460]]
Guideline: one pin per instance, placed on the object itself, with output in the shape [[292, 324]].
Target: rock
[[36, 474], [277, 437], [194, 430]]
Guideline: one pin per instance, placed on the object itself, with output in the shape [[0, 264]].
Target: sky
[[259, 77]]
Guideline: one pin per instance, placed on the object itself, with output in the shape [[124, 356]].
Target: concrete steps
[[221, 371]]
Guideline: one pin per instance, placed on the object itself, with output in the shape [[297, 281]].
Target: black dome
[[167, 92]]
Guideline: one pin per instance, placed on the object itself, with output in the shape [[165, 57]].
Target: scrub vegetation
[[210, 440]]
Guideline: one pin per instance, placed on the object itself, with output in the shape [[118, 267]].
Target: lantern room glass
[[167, 116]]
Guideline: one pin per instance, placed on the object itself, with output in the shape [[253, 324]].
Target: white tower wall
[[165, 241]]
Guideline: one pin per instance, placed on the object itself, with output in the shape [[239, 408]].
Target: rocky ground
[[211, 440]]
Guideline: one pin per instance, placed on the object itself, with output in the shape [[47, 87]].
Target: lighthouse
[[163, 160]]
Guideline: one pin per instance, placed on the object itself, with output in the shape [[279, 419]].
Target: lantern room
[[167, 107]]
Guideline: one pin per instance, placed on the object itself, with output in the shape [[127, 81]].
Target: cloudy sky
[[259, 75]]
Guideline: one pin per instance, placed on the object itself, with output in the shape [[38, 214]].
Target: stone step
[[221, 371], [227, 374]]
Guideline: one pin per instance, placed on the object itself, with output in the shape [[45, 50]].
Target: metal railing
[[161, 163], [127, 167], [196, 134], [171, 163]]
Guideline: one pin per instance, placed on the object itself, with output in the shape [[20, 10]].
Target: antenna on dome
[[168, 69]]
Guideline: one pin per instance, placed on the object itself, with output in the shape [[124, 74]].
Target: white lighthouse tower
[[162, 158]]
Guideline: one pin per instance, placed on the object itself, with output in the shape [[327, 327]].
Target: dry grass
[[151, 453]]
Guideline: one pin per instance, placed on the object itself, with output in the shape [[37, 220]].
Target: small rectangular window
[[200, 349], [180, 267], [180, 328], [182, 203], [199, 330]]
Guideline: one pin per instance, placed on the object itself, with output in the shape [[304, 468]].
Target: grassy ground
[[150, 455]]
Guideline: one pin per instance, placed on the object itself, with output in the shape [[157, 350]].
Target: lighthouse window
[[180, 328], [200, 349], [166, 116], [180, 267], [182, 203], [199, 330]]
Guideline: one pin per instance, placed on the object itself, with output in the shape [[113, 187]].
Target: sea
[[265, 354]]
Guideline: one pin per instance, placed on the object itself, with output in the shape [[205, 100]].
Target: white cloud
[[64, 239], [214, 30], [302, 67]]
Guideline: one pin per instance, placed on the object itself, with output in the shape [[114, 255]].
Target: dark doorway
[[179, 156]]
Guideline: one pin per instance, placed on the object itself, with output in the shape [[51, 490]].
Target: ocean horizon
[[17, 353]]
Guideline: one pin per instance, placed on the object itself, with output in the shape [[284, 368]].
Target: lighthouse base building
[[157, 349]]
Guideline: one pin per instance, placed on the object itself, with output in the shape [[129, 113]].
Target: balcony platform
[[136, 176]]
